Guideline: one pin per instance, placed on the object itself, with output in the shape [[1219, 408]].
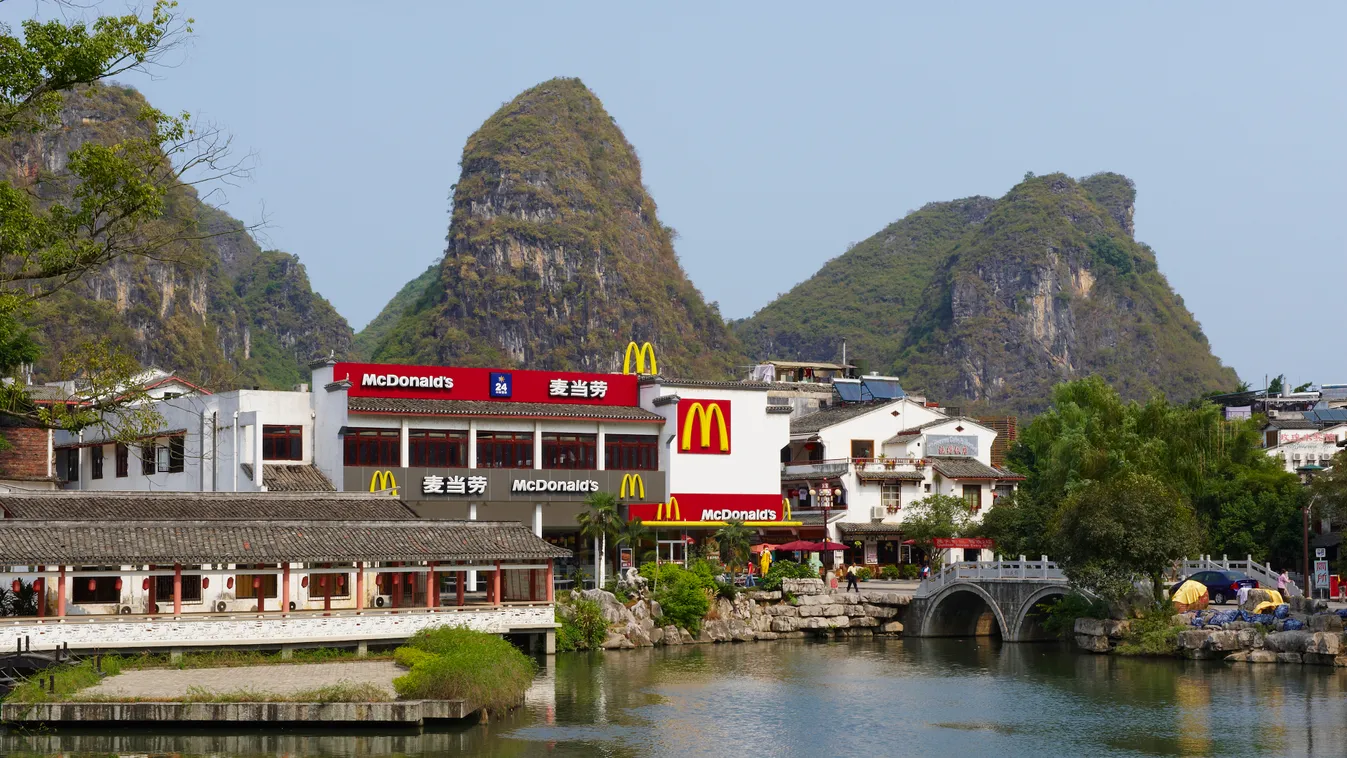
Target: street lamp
[[825, 500]]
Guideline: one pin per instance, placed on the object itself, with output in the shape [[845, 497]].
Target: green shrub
[[408, 657], [786, 570], [706, 571], [683, 599], [619, 591], [890, 573], [910, 571], [864, 574], [481, 668], [1154, 633], [726, 590], [584, 630], [1059, 616]]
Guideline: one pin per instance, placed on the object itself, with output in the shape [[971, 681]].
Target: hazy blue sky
[[773, 135]]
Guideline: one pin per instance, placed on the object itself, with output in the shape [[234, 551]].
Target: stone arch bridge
[[986, 599]]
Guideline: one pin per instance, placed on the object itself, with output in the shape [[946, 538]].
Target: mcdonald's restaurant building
[[531, 446]]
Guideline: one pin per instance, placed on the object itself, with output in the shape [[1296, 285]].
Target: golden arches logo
[[632, 486], [706, 413], [668, 511], [384, 480], [785, 509], [642, 353]]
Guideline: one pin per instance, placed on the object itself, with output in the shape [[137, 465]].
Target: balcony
[[841, 466]]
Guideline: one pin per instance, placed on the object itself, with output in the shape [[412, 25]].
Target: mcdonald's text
[[453, 383]]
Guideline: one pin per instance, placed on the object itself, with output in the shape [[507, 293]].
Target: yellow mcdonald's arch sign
[[384, 480], [642, 353], [668, 511], [633, 486], [705, 414], [785, 509]]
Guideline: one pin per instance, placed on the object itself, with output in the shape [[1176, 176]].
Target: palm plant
[[734, 537], [600, 521], [633, 533]]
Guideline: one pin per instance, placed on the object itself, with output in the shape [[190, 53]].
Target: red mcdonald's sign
[[704, 427]]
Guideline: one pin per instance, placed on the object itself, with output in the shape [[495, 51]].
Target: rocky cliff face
[[556, 257], [223, 312], [988, 303]]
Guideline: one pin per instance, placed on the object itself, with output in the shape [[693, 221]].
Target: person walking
[[1282, 580], [851, 579]]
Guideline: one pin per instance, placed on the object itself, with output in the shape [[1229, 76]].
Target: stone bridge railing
[[1042, 570]]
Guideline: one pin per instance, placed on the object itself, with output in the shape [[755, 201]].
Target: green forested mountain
[[987, 303], [217, 309], [367, 340], [556, 256]]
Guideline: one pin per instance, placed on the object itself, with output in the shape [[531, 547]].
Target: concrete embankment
[[408, 712]]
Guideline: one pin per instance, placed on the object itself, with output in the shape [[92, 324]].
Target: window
[[72, 465], [631, 452], [433, 448], [247, 585], [94, 589], [862, 448], [282, 443], [191, 588], [176, 455], [505, 449], [147, 458], [569, 451], [329, 585], [372, 447], [972, 494], [123, 455], [891, 496], [96, 462], [1003, 491]]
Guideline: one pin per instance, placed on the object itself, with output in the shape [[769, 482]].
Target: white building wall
[[1302, 447]]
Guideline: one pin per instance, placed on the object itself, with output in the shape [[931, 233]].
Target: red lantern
[[257, 582], [205, 582], [304, 582], [322, 582], [92, 583], [118, 584], [145, 585], [229, 583], [37, 585], [18, 585], [340, 580], [397, 579]]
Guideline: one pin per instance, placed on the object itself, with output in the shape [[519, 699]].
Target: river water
[[950, 698]]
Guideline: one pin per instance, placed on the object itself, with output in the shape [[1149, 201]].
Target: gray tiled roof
[[835, 414], [967, 468], [869, 528], [883, 476], [197, 506], [729, 384], [469, 408], [783, 409], [197, 542], [284, 477], [1292, 423]]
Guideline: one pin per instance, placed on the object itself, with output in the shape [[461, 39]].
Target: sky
[[772, 135]]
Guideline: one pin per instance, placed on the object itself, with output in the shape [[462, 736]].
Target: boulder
[[834, 610], [855, 610], [810, 611], [1324, 643], [1224, 640], [1116, 629], [614, 612], [1287, 642], [863, 622], [1193, 639], [640, 611], [806, 600], [891, 627], [685, 637], [785, 624], [782, 610], [802, 587], [1242, 655], [741, 631], [1325, 622], [1262, 656], [1250, 639], [657, 636], [1318, 659], [637, 633], [880, 611], [1090, 627], [765, 635], [1289, 658], [887, 598], [655, 610], [1093, 643], [671, 635], [617, 641], [1256, 598], [718, 630]]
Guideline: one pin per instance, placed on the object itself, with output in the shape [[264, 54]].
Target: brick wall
[[29, 454]]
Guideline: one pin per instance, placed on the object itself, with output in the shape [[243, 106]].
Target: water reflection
[[881, 697]]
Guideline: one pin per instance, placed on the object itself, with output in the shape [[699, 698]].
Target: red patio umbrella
[[798, 545], [825, 545], [764, 546]]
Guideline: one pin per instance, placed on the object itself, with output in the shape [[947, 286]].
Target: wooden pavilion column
[[462, 579], [359, 586], [40, 590], [550, 581], [397, 587], [60, 594], [495, 585], [327, 581], [153, 597], [431, 586], [177, 589], [285, 589]]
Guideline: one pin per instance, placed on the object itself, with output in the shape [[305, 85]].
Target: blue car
[[1221, 585]]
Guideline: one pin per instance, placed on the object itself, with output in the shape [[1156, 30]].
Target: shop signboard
[[503, 485], [1321, 574], [455, 383], [712, 509], [871, 553], [975, 543], [624, 559], [964, 445]]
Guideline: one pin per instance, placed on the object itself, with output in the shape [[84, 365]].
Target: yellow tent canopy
[[1190, 595], [1268, 606]]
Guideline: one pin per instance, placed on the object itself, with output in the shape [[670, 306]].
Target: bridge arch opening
[[963, 613], [1032, 626]]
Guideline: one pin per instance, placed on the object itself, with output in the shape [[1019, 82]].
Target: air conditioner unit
[[878, 512], [383, 601]]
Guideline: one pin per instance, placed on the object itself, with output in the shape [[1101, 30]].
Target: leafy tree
[[1109, 533], [733, 539], [600, 522], [937, 516], [1277, 386], [1304, 387], [1019, 525], [110, 202], [1329, 489]]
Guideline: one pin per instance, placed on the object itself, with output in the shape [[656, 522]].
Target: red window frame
[[505, 450], [568, 451], [435, 448], [631, 452], [372, 446], [282, 443]]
